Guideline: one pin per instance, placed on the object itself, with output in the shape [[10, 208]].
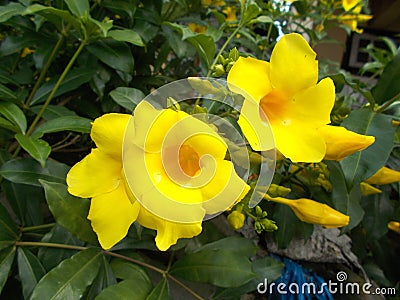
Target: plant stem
[[38, 227], [50, 245], [47, 66], [54, 90], [387, 103]]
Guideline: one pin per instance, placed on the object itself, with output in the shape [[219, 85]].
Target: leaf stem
[[38, 227], [47, 66], [50, 245], [387, 103]]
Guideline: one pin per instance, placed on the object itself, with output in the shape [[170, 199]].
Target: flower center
[[274, 107], [189, 160]]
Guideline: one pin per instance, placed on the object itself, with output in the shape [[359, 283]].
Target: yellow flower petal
[[341, 142], [225, 188], [168, 232], [384, 175], [367, 189], [96, 174], [256, 130], [298, 141], [352, 4], [293, 67], [108, 133], [250, 75], [151, 126], [111, 215], [313, 212], [314, 104], [395, 226]]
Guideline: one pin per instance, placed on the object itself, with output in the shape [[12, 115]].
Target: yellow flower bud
[[395, 226], [278, 191], [367, 189], [310, 211], [341, 142], [384, 176], [236, 219]]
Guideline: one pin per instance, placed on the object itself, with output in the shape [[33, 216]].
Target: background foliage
[[64, 63]]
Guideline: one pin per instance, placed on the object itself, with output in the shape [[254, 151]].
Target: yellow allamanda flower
[[236, 219], [286, 91], [395, 226], [354, 16], [341, 142], [384, 175], [197, 28], [367, 189], [230, 13], [115, 178], [313, 212]]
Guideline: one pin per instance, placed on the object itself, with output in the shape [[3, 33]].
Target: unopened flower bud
[[236, 219]]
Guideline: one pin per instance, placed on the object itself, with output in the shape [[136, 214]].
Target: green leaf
[[252, 10], [8, 125], [125, 290], [74, 79], [126, 35], [345, 199], [6, 261], [51, 257], [8, 229], [53, 111], [388, 85], [69, 211], [115, 54], [28, 171], [205, 47], [14, 114], [219, 267], [378, 213], [136, 284], [363, 164], [30, 271], [37, 148], [70, 123], [127, 97], [70, 279], [78, 7], [54, 15], [104, 279], [238, 245], [287, 223], [160, 292], [10, 10], [6, 93]]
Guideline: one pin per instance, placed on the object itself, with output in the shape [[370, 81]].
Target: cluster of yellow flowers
[[131, 185]]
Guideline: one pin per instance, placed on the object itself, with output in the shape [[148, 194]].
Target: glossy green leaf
[[136, 284], [10, 10], [8, 125], [6, 93], [239, 245], [115, 54], [29, 171], [104, 279], [53, 111], [69, 279], [345, 199], [388, 85], [37, 148], [70, 123], [126, 35], [287, 223], [160, 292], [363, 164], [205, 47], [74, 79], [54, 15], [378, 213], [13, 114], [30, 271], [125, 290], [6, 261], [251, 11], [69, 211], [51, 257], [219, 267], [78, 7], [8, 229], [127, 97]]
